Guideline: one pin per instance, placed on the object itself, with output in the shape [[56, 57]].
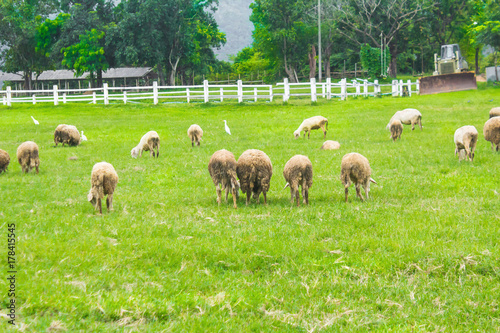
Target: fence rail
[[207, 92]]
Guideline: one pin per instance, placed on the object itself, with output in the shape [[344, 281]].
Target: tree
[[19, 21]]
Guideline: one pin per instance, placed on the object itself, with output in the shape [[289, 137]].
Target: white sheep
[[407, 117], [195, 133], [330, 145], [298, 172], [149, 142], [465, 140], [311, 124], [103, 182], [355, 168]]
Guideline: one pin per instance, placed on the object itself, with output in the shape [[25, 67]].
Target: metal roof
[[64, 74]]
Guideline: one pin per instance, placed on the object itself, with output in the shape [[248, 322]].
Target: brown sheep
[[495, 112], [67, 134], [195, 133], [103, 182], [491, 131], [149, 142], [254, 170], [355, 168], [27, 155], [298, 172], [465, 139], [222, 169], [330, 145], [4, 160], [396, 129]]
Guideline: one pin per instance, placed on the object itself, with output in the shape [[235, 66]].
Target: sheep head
[[296, 134], [92, 197], [135, 152]]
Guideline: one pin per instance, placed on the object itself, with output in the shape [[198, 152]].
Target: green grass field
[[421, 255]]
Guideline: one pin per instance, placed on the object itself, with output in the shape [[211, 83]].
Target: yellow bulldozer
[[450, 73]]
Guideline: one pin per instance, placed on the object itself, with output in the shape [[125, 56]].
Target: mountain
[[233, 18]]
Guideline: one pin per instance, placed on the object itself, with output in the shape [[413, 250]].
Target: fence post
[[286, 90], [343, 90], [240, 91], [187, 95], [94, 97], [313, 90], [124, 97], [270, 93], [205, 91], [400, 88], [4, 100], [155, 92], [33, 98], [409, 88], [106, 96], [358, 88], [64, 98], [394, 88], [376, 87], [255, 94], [221, 94], [328, 88], [56, 94], [323, 90], [365, 89]]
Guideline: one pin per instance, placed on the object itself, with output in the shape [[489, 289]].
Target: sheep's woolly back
[[396, 129], [406, 116], [27, 155], [312, 123], [298, 169], [254, 170], [222, 168], [330, 145], [4, 160], [355, 168], [67, 134], [491, 130], [103, 180], [495, 112], [195, 133], [464, 135]]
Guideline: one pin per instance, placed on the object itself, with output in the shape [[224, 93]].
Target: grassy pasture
[[421, 255]]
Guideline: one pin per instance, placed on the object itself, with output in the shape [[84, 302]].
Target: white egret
[[228, 131], [84, 138], [35, 121]]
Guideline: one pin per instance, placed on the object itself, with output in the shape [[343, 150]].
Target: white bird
[[228, 131], [84, 138], [35, 121]]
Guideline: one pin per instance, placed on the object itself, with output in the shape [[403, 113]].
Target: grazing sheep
[[355, 168], [149, 142], [330, 145], [396, 129], [407, 117], [254, 170], [495, 112], [222, 169], [465, 140], [27, 155], [195, 133], [103, 182], [298, 172], [4, 160], [491, 131], [311, 124], [67, 134]]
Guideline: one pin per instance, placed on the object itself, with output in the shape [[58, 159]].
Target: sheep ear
[[90, 196], [373, 181], [287, 184]]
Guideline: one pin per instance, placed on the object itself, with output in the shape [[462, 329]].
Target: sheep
[[407, 117], [4, 160], [311, 124], [465, 139], [495, 112], [195, 133], [396, 129], [27, 155], [355, 168], [222, 169], [330, 145], [254, 170], [149, 142], [491, 131], [298, 172], [67, 134], [103, 182]]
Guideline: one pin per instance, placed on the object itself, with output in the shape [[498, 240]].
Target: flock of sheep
[[253, 170]]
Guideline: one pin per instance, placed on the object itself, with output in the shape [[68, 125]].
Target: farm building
[[66, 79]]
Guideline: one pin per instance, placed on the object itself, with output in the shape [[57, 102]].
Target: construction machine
[[450, 73]]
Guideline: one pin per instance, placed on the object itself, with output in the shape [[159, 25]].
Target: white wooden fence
[[210, 93]]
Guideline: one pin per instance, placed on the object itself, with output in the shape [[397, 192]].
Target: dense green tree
[[488, 31]]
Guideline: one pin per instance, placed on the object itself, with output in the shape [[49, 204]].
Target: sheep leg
[[412, 125], [192, 142], [158, 149], [420, 123], [305, 196], [297, 196], [367, 189], [305, 134], [265, 197], [292, 195], [497, 147], [324, 131], [358, 192], [99, 205], [346, 192], [227, 193], [249, 193], [36, 167], [308, 134], [219, 194], [110, 198], [234, 197]]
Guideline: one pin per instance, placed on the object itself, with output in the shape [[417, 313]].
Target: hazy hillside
[[233, 17]]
